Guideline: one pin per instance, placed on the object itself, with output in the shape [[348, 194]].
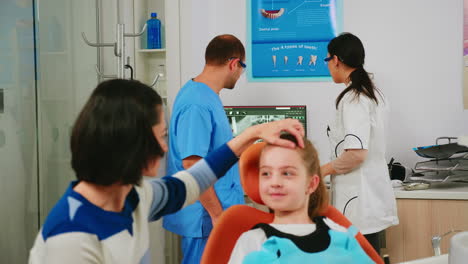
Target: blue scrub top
[[198, 126]]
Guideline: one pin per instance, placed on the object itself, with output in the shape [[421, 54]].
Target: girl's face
[[284, 183], [160, 132]]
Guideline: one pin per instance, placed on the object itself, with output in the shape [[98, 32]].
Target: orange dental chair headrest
[[249, 169]]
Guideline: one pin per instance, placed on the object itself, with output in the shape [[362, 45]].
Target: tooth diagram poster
[[288, 39]]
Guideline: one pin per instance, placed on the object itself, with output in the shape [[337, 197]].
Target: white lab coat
[[365, 195]]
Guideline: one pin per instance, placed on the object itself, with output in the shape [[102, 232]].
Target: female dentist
[[361, 187]]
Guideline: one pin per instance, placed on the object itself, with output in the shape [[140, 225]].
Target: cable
[[344, 209], [131, 70]]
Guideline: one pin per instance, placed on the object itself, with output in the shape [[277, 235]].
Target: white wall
[[414, 48]]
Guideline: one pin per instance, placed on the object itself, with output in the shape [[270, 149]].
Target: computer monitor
[[242, 117]]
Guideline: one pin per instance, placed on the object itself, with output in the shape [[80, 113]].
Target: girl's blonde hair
[[318, 200]]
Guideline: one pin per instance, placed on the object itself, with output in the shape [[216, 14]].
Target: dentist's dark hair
[[223, 47], [349, 50]]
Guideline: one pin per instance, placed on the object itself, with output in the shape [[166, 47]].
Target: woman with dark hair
[[118, 137], [361, 187]]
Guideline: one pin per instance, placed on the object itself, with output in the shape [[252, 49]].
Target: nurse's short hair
[[112, 139]]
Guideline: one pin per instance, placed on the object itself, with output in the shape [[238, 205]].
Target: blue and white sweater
[[77, 231]]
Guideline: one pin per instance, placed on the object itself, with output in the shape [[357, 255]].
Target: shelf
[[152, 50]]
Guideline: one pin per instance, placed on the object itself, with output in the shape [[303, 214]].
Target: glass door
[[46, 74], [66, 77], [18, 127]]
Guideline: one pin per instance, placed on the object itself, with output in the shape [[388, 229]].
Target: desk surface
[[442, 259], [437, 191]]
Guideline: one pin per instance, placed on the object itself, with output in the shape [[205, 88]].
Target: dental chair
[[241, 218]]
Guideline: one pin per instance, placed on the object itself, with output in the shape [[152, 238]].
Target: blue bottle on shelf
[[154, 32]]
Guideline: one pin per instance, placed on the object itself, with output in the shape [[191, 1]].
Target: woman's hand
[[270, 133]]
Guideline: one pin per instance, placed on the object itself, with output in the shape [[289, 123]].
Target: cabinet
[[164, 246], [165, 61], [420, 219], [150, 62]]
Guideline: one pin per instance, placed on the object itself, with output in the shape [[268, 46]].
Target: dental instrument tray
[[450, 164], [440, 151], [440, 176], [411, 186]]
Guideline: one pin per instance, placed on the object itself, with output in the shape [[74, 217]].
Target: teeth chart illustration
[[289, 37], [272, 14], [299, 60], [313, 60]]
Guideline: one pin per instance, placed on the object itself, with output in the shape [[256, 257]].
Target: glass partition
[[18, 140], [46, 74], [66, 77]]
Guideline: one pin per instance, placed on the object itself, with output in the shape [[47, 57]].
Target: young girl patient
[[291, 186]]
